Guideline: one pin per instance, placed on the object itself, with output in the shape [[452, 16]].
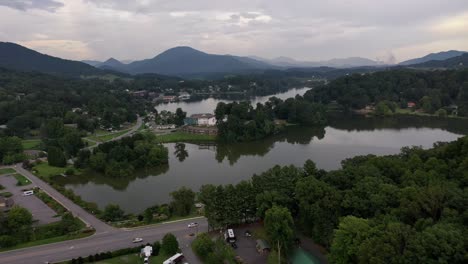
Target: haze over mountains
[[189, 62]]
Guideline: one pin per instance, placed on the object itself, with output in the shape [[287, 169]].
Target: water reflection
[[293, 135], [193, 165], [117, 183]]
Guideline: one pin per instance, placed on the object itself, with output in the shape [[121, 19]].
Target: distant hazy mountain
[[182, 61], [92, 62], [336, 63], [17, 57], [112, 64], [455, 62], [434, 56]]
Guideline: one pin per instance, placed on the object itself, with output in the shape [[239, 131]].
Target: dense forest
[[27, 100], [429, 90], [406, 208], [121, 158], [242, 122]]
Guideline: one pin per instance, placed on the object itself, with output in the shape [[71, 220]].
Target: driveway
[[40, 211], [246, 246]]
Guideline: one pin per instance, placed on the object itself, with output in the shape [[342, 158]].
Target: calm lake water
[[208, 105], [345, 137]]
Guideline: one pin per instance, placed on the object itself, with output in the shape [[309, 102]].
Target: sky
[[309, 30]]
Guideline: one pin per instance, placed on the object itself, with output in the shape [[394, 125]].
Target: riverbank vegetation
[[121, 158], [404, 208], [241, 122], [429, 92], [181, 136]]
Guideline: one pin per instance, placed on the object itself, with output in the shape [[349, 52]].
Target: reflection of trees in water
[[292, 135], [180, 152], [120, 183], [360, 123]]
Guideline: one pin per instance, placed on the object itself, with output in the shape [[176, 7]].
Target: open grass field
[[185, 137], [45, 170], [29, 144]]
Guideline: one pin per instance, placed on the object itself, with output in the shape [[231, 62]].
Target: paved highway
[[105, 241], [106, 238]]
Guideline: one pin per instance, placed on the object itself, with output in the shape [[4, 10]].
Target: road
[[132, 131], [106, 238], [105, 241]]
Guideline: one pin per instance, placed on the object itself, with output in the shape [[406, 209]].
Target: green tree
[[203, 245], [182, 201], [169, 245], [349, 236], [112, 212], [56, 157], [279, 228], [179, 117], [19, 223]]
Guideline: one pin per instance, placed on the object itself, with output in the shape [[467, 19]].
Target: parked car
[[192, 225], [137, 240]]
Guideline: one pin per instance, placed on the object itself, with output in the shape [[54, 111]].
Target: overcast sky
[[301, 29]]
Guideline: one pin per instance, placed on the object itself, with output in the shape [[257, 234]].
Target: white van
[[27, 193]]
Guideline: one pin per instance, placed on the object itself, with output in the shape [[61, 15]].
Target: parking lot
[[40, 211], [246, 246]]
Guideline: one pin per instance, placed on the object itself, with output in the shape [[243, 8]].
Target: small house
[[184, 96], [262, 246], [411, 105]]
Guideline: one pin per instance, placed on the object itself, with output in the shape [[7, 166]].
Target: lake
[[193, 165], [208, 105]]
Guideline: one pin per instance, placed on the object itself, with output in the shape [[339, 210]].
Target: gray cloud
[[23, 5], [302, 29]]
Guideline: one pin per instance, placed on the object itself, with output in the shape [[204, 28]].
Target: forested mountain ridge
[[443, 55], [451, 63], [431, 90], [17, 57]]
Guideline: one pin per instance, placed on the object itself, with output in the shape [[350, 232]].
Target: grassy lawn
[[22, 180], [7, 171], [107, 137], [29, 144], [133, 258], [90, 143], [45, 170], [185, 137]]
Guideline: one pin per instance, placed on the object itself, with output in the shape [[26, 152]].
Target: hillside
[[335, 63], [17, 57], [434, 56], [181, 61], [455, 62]]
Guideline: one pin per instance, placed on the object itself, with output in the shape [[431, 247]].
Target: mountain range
[[189, 62], [439, 56], [335, 63], [17, 57]]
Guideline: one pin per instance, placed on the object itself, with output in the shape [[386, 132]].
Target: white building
[[204, 119]]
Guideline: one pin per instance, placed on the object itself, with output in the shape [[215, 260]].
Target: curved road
[[132, 131], [106, 238]]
